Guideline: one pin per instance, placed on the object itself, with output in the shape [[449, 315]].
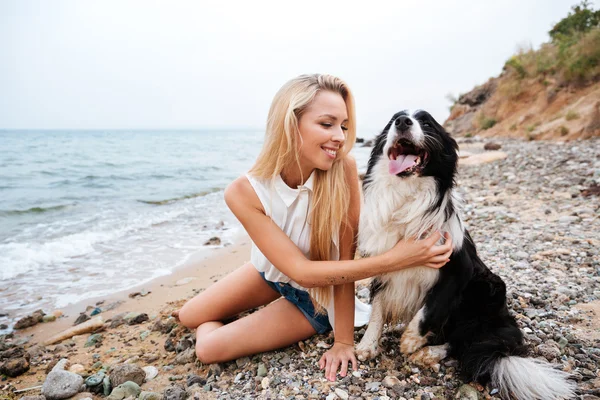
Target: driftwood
[[86, 327], [28, 389]]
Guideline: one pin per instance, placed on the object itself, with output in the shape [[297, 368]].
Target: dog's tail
[[514, 375]]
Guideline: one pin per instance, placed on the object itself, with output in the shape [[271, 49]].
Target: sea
[[84, 214]]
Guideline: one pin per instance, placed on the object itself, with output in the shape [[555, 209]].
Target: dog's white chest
[[404, 292]]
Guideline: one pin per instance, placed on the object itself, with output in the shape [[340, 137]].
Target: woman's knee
[[188, 317], [208, 349]]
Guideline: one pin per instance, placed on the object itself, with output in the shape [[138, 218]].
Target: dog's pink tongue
[[402, 163]]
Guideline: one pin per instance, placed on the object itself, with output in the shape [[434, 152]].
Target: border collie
[[459, 310]]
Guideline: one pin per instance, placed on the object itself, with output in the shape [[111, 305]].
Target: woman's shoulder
[[241, 192]]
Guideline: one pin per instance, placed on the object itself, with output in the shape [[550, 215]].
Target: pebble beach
[[533, 210]]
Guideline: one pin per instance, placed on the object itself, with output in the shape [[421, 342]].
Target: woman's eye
[[344, 128], [327, 125]]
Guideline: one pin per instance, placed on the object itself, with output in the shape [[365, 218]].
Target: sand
[[203, 269]]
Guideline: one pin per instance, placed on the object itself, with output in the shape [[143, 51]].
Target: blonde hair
[[331, 196]]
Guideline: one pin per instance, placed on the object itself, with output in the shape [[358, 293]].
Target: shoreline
[[203, 268]]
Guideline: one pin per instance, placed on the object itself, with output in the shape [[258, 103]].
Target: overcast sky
[[204, 64]]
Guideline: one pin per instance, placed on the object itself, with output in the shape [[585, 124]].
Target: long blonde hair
[[331, 196]]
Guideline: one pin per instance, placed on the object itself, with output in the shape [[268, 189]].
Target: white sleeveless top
[[289, 209]]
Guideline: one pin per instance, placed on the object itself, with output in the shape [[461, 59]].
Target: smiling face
[[322, 128]]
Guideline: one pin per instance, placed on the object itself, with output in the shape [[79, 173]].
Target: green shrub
[[582, 19], [513, 127], [571, 115], [515, 62], [488, 123], [564, 131]]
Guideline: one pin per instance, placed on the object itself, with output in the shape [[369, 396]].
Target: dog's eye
[[426, 124]]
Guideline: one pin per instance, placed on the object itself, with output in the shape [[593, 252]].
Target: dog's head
[[416, 144]]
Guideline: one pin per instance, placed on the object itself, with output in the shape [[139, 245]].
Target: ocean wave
[[34, 210], [176, 199], [21, 257]]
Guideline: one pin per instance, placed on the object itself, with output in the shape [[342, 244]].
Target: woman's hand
[[338, 357], [415, 252]]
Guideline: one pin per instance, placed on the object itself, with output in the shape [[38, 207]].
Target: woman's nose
[[339, 135]]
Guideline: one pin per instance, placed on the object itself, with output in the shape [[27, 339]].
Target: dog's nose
[[403, 123]]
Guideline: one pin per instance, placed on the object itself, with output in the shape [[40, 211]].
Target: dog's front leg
[[368, 347], [413, 339]]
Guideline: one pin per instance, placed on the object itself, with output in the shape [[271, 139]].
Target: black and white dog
[[459, 310]]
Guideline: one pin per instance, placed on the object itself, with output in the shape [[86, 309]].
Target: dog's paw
[[428, 356], [411, 342], [367, 351]]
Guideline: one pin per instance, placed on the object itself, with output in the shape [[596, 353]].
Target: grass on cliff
[[572, 57]]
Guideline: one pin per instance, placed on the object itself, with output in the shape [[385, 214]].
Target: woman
[[300, 204]]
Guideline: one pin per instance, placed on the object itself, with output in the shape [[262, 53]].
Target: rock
[[261, 370], [95, 381], [372, 386], [124, 391], [60, 384], [14, 367], [213, 241], [467, 392], [241, 362], [195, 380], [30, 320], [122, 373], [106, 387], [49, 318], [185, 281], [175, 392], [82, 396], [95, 311], [389, 381], [38, 397], [483, 158], [342, 394], [187, 356], [117, 320], [94, 340], [265, 382], [150, 396], [492, 146], [151, 372], [77, 369], [82, 318], [549, 350], [134, 318]]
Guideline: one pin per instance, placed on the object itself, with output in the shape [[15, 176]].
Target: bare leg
[[279, 324], [368, 347], [411, 339], [241, 290]]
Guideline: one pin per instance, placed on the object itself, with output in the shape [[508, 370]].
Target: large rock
[[14, 367], [122, 373], [60, 384], [30, 320]]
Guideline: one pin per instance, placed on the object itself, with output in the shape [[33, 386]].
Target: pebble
[[124, 391], [122, 373], [261, 370], [151, 372], [60, 384], [342, 394]]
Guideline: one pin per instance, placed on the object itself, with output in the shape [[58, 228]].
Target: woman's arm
[[342, 352], [287, 257]]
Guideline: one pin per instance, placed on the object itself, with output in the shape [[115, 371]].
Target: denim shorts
[[301, 299]]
